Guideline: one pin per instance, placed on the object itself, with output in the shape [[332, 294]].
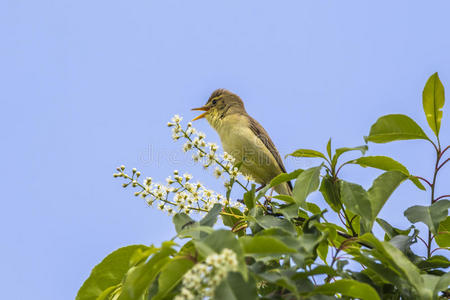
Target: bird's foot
[[260, 188]]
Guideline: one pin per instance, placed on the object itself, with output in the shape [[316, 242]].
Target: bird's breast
[[241, 142]]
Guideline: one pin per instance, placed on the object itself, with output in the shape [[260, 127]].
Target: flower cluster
[[201, 281], [207, 153], [179, 194]]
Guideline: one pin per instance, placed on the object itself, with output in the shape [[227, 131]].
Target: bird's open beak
[[203, 108]]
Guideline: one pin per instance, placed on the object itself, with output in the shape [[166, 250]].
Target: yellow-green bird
[[244, 138]]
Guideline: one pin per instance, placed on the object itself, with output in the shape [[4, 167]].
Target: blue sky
[[90, 85]]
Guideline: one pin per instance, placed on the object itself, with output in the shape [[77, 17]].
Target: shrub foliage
[[283, 247]]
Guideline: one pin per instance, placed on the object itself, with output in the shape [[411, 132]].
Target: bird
[[244, 138]]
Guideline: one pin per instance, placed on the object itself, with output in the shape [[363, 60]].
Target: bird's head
[[220, 104]]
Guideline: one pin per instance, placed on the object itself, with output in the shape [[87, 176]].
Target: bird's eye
[[214, 102]]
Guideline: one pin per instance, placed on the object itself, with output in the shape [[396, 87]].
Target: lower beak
[[205, 109]]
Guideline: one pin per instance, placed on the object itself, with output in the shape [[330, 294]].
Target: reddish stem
[[423, 179], [446, 161], [440, 197]]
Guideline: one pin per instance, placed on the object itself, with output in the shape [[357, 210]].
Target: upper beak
[[203, 108]]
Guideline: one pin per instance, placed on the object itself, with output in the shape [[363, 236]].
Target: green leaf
[[230, 221], [171, 275], [139, 278], [387, 164], [235, 287], [283, 177], [211, 217], [264, 245], [437, 261], [390, 230], [348, 287], [306, 183], [443, 236], [382, 188], [249, 198], [182, 221], [307, 153], [284, 198], [331, 192], [341, 151], [313, 208], [443, 284], [429, 215], [394, 259], [267, 221], [322, 251], [329, 148], [391, 128], [108, 273], [433, 102], [356, 199], [187, 227]]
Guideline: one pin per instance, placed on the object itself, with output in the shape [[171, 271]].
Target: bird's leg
[[260, 188]]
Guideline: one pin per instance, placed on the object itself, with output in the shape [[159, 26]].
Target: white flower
[[148, 181], [218, 172], [175, 136], [169, 180], [248, 178], [234, 172], [213, 147], [187, 146], [190, 131], [187, 176], [201, 135], [228, 157], [178, 178], [176, 119]]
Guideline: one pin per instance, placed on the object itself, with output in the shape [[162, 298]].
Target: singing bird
[[244, 138]]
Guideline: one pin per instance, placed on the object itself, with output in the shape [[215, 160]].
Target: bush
[[283, 247]]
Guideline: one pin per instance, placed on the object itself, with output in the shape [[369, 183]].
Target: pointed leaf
[[388, 164], [211, 217], [433, 102], [267, 221], [356, 199], [395, 128], [171, 275], [139, 278], [331, 192], [429, 215], [108, 273], [235, 287], [390, 230], [329, 148], [307, 153], [283, 177], [341, 151], [382, 188], [306, 183], [264, 245], [249, 198], [443, 236], [348, 287]]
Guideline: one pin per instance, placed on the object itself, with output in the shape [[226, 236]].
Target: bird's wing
[[262, 134]]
